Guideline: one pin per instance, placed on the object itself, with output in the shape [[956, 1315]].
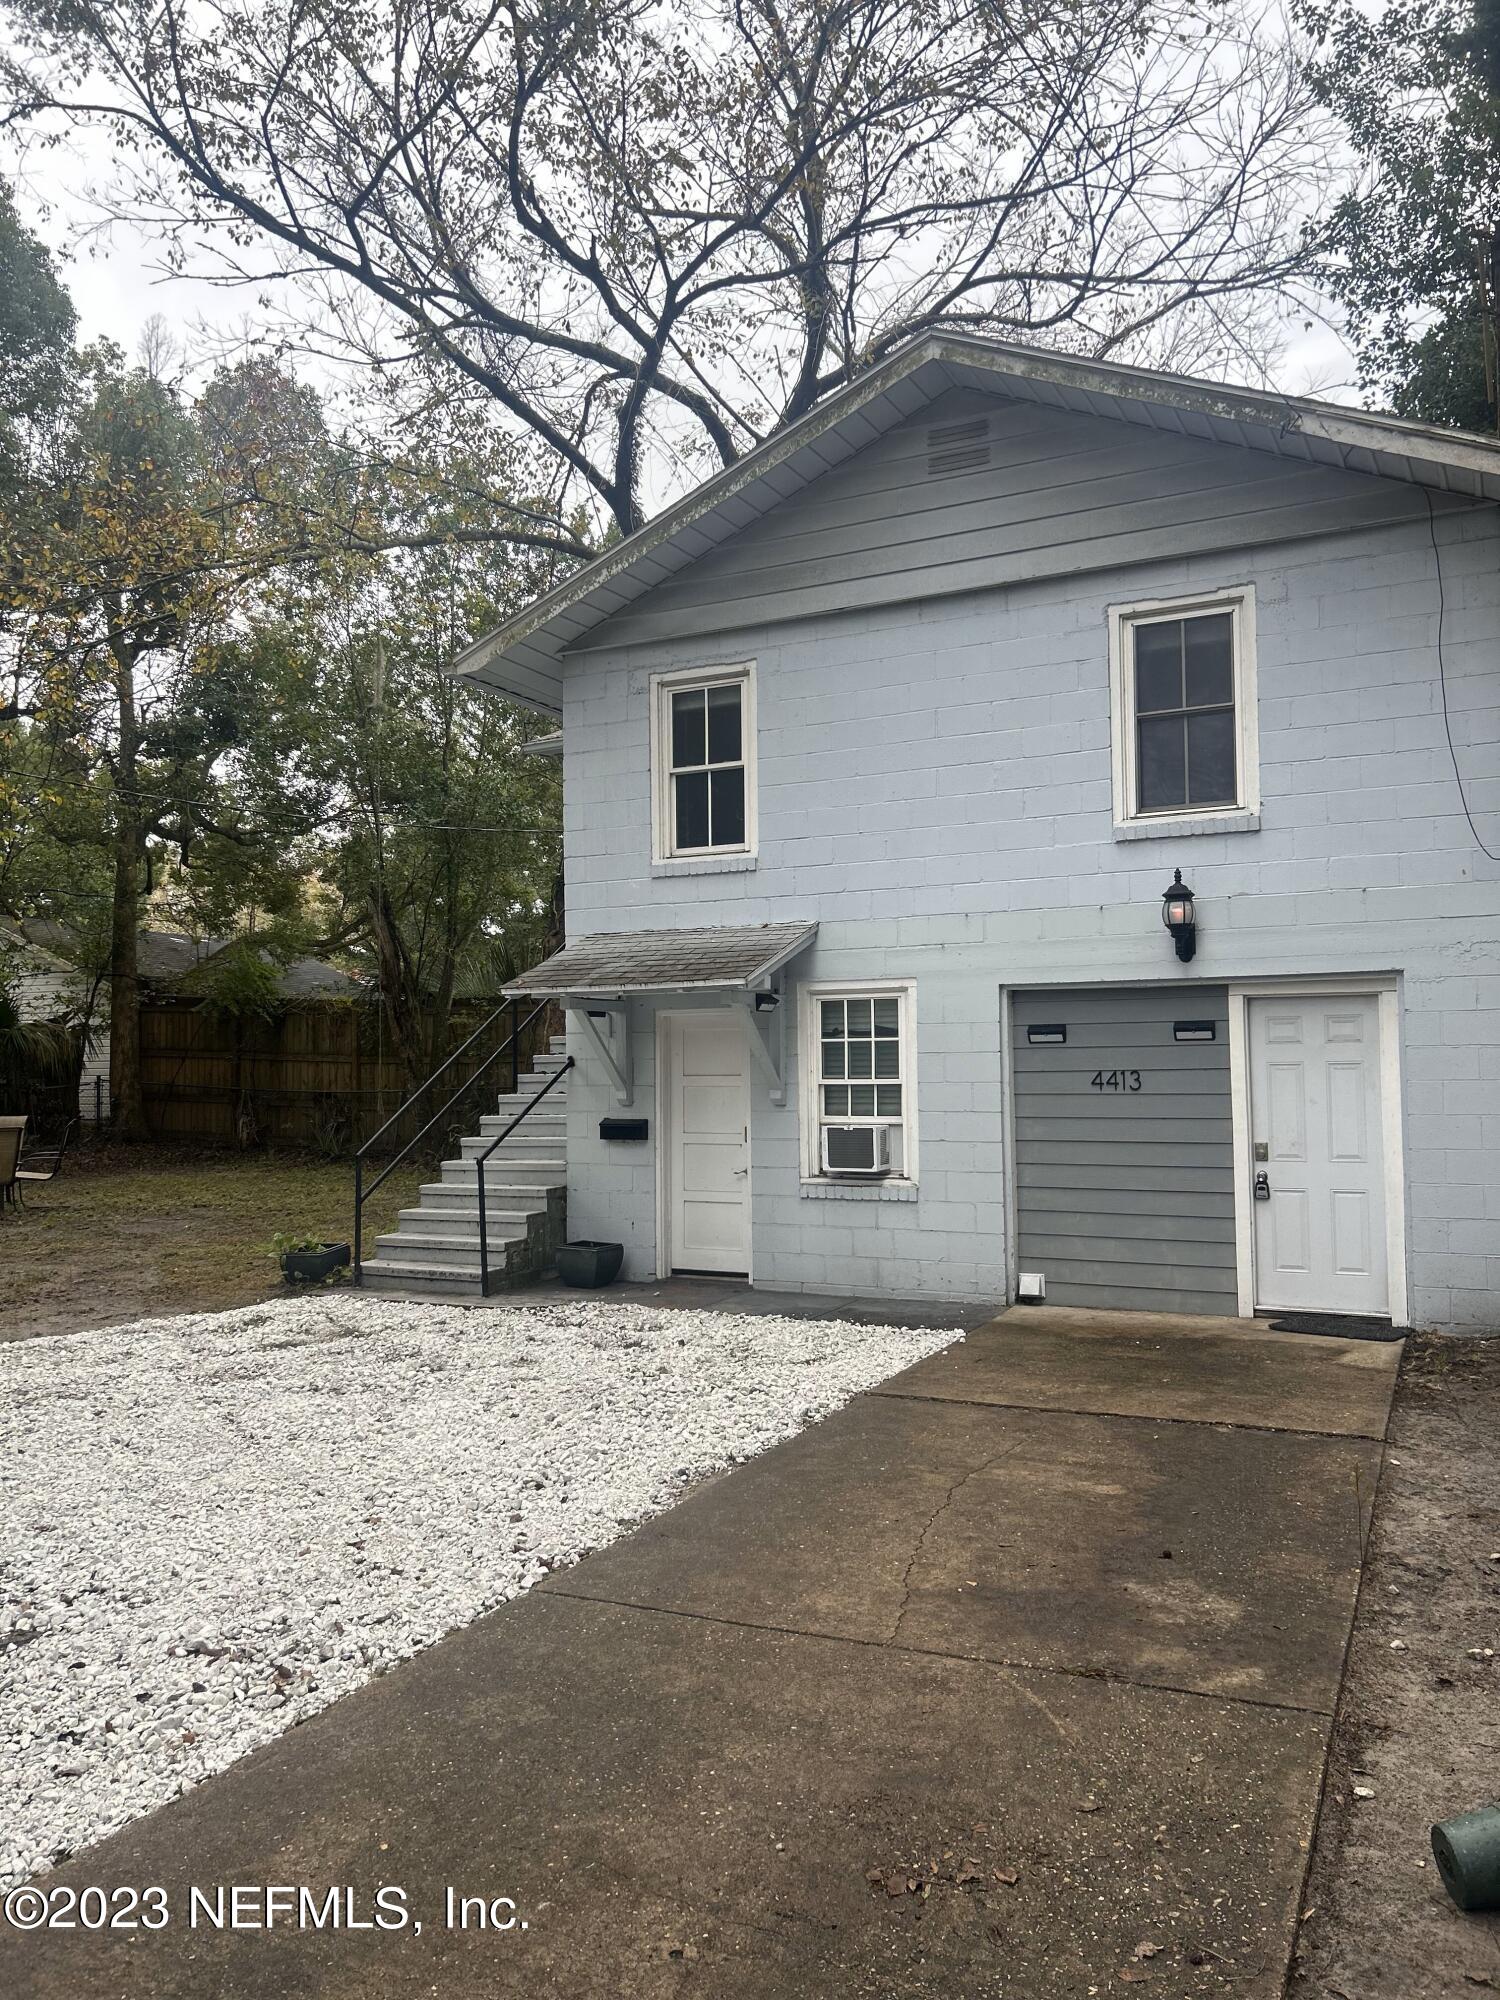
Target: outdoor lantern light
[[1177, 915]]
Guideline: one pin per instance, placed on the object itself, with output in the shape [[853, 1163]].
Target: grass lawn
[[129, 1231]]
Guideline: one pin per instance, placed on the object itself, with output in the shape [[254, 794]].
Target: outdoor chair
[[35, 1168], [12, 1132]]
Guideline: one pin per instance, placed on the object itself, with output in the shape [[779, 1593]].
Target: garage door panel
[[1105, 1050], [1092, 1246], [1105, 1295], [1106, 1276], [1184, 1181], [1059, 1213], [1125, 1196], [1163, 1205], [1123, 1153], [1148, 1005], [1200, 1124]]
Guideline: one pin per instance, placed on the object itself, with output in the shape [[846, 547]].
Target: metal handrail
[[361, 1192], [505, 1007], [480, 1158]]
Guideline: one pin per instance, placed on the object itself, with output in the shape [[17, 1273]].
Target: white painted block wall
[[935, 790]]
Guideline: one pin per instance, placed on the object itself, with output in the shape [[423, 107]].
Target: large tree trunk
[[128, 1104], [398, 994]]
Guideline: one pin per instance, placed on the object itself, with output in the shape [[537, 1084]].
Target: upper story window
[[703, 759], [1183, 703]]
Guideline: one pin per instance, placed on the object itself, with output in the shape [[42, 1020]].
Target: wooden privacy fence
[[320, 1075]]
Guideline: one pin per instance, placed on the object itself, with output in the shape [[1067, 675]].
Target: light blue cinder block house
[[882, 748]]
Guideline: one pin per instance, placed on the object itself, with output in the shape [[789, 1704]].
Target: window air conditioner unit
[[864, 1150]]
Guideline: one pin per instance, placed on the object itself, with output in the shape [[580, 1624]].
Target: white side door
[[708, 1143], [1316, 1136]]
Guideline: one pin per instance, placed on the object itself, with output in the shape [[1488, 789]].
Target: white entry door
[[708, 1143], [1315, 1128]]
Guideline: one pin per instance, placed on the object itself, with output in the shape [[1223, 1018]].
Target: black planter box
[[311, 1267], [590, 1264]]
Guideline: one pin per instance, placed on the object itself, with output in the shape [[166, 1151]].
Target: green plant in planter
[[309, 1260]]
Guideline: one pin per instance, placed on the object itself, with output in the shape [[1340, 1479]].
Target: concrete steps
[[435, 1246]]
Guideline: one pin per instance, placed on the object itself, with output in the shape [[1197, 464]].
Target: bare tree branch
[[644, 232]]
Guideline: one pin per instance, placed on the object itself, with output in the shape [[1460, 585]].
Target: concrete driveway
[[1013, 1679]]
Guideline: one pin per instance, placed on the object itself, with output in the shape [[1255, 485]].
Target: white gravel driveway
[[213, 1526]]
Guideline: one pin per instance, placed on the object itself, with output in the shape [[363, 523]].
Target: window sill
[[1173, 826], [707, 864], [830, 1190]]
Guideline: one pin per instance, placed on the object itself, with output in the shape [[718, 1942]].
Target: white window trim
[[809, 1065], [699, 859], [1244, 814]]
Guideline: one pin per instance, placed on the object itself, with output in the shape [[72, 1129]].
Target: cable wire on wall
[[1437, 564]]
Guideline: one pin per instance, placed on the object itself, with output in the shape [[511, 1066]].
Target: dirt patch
[[1419, 1720], [127, 1232]]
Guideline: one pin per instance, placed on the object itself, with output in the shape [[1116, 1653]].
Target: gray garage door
[[1124, 1154]]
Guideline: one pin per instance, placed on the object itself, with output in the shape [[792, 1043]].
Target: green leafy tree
[[1416, 84], [441, 841], [124, 611], [36, 338], [229, 632]]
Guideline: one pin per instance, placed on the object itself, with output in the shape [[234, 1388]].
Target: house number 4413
[[1116, 1079]]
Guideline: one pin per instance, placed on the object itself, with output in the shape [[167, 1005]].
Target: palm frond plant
[[32, 1053]]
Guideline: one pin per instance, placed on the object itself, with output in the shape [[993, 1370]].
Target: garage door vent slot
[[1050, 1033]]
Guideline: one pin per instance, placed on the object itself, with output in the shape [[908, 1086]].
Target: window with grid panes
[[1183, 688], [861, 1065], [706, 767]]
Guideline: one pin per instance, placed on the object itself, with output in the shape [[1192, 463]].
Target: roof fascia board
[[1298, 415]]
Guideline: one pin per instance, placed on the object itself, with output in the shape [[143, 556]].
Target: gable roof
[[523, 657]]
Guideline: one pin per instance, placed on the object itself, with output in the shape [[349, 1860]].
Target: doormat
[[1340, 1326]]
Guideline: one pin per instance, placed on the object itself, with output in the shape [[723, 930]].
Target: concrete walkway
[[1014, 1679]]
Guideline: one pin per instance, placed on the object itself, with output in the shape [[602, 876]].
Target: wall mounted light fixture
[[1178, 916]]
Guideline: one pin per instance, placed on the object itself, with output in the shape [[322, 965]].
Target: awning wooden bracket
[[613, 1047], [767, 1051]]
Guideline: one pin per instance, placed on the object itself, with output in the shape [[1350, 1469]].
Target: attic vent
[[959, 447]]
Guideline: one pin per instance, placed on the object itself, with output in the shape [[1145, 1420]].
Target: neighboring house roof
[[298, 979], [305, 978], [613, 963], [164, 958], [43, 985], [550, 745], [523, 657], [161, 956], [44, 934], [37, 957]]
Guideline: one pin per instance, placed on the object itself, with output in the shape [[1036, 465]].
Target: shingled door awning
[[612, 965]]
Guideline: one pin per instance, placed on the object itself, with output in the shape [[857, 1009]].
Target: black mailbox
[[623, 1128]]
